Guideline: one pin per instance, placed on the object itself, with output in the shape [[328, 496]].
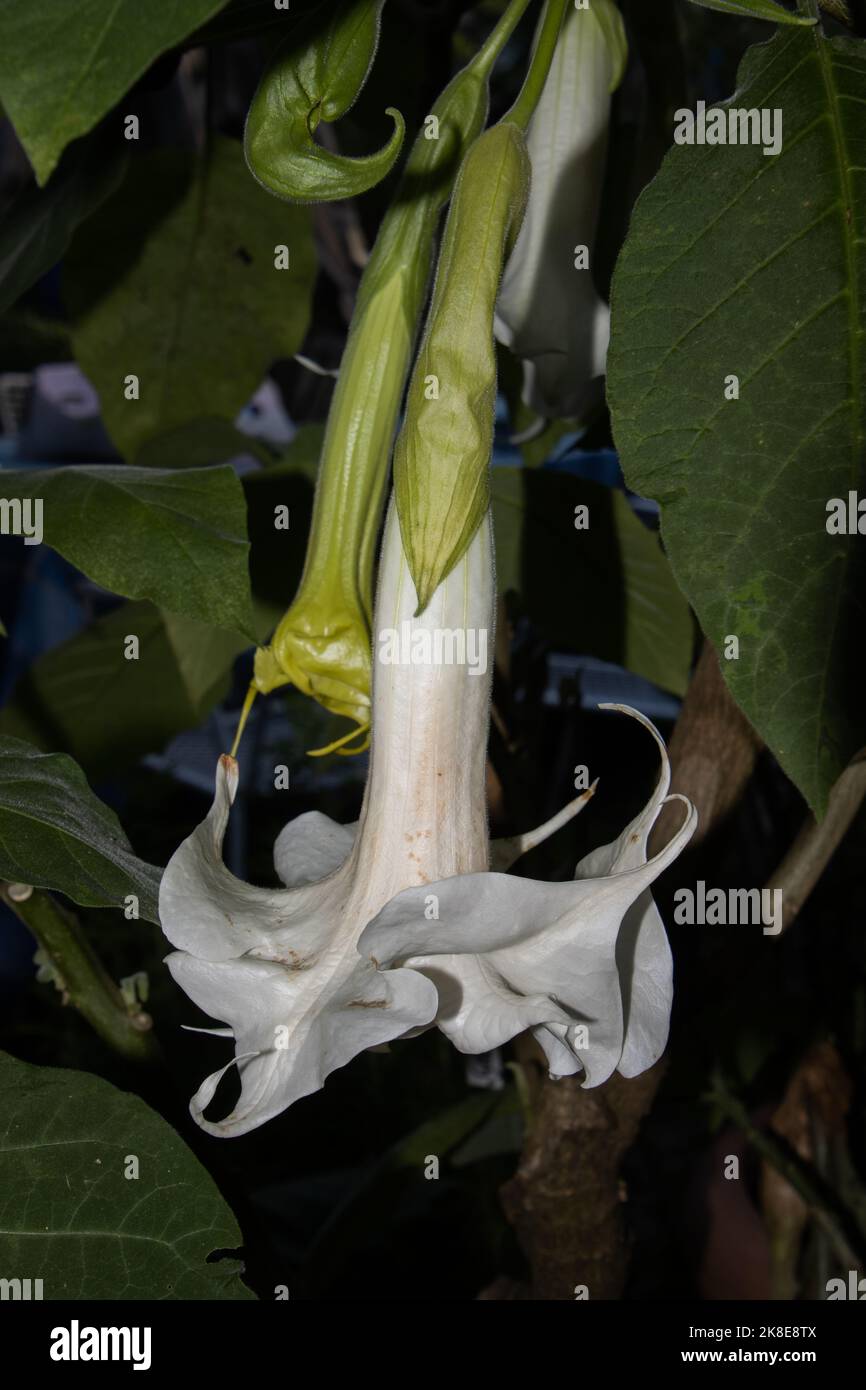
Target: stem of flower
[[244, 716], [85, 981], [539, 64]]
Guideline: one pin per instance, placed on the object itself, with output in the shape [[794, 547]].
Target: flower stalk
[[80, 974]]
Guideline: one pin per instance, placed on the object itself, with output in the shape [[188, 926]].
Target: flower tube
[[387, 925]]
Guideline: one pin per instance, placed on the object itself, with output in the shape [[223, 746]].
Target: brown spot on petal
[[363, 1004], [293, 961]]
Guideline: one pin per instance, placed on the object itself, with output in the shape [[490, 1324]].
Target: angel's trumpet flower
[[281, 966], [300, 981], [549, 312]]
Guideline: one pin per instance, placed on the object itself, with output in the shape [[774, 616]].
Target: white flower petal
[[552, 955], [205, 910], [289, 1037], [311, 847], [505, 852]]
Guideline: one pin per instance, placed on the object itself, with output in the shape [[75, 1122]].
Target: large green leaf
[[200, 443], [740, 264], [85, 699], [54, 833], [174, 281], [64, 64], [71, 1216], [606, 591], [38, 226], [175, 537]]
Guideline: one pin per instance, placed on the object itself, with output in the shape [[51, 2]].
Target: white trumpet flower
[[549, 312], [385, 926], [281, 966]]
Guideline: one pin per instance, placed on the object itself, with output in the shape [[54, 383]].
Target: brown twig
[[713, 750], [816, 844]]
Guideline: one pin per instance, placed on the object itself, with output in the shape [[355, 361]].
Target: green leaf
[[175, 537], [54, 833], [63, 66], [741, 264], [70, 1217], [84, 698], [200, 443], [39, 225], [174, 281], [315, 76], [606, 591], [755, 9]]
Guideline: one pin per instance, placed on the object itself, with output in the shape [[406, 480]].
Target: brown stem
[[566, 1198], [815, 845], [713, 750]]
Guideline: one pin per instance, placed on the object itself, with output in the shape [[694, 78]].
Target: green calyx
[[442, 456]]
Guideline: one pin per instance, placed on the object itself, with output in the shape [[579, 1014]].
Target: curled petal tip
[[227, 775]]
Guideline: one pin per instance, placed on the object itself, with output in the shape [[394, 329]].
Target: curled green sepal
[[316, 76], [442, 455]]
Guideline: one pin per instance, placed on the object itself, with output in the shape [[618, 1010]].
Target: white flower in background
[[484, 954], [549, 313]]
